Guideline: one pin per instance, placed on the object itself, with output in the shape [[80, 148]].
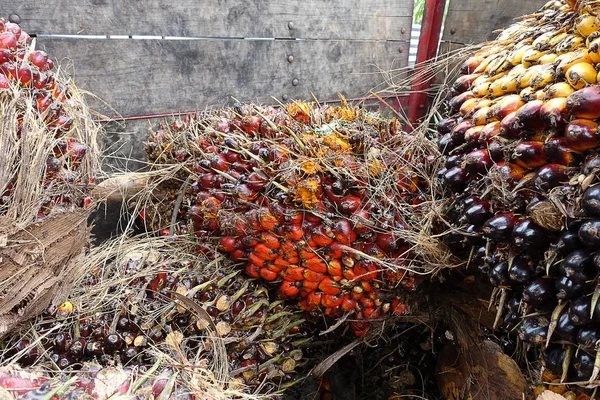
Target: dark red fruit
[[582, 134], [478, 213], [591, 164], [590, 201], [527, 235], [557, 151], [499, 227], [528, 116], [455, 178], [578, 266], [530, 155], [446, 125], [477, 162], [539, 291], [550, 176]]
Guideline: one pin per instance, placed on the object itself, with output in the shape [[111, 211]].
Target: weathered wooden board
[[332, 19], [474, 21], [140, 77]]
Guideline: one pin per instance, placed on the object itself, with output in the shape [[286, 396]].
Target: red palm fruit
[[331, 301], [490, 130], [372, 250], [509, 126], [584, 103], [366, 302], [365, 271], [265, 253], [507, 105], [349, 204], [312, 276], [291, 258], [238, 255], [257, 180], [528, 116], [397, 307], [582, 134], [289, 289], [281, 262], [469, 65], [361, 221], [6, 56], [294, 232], [293, 273], [8, 41], [550, 176], [228, 243], [334, 268], [329, 286], [320, 237], [249, 242], [372, 313], [455, 178], [314, 299], [270, 241], [158, 282], [529, 155], [24, 75], [334, 250], [473, 134], [558, 151], [267, 220], [458, 133], [457, 101], [464, 82], [254, 258], [477, 162], [554, 112], [366, 286], [348, 303], [509, 172], [250, 124], [267, 274], [206, 180], [307, 254], [316, 264], [349, 274], [275, 268], [468, 107], [359, 328], [310, 286], [344, 234]]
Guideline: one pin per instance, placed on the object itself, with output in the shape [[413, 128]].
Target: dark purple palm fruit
[[529, 236], [539, 291], [521, 271], [534, 329], [580, 311], [499, 227], [590, 202], [565, 327], [578, 266], [589, 233]]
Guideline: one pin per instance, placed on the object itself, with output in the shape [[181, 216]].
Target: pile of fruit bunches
[[140, 311], [520, 144], [317, 200], [44, 102]]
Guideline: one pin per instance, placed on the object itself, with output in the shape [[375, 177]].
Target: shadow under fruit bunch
[[325, 202], [520, 143]]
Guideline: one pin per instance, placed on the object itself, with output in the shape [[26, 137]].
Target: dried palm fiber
[[48, 158], [520, 144], [150, 300], [331, 203]]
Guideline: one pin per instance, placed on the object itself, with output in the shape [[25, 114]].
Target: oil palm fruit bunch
[[325, 202], [49, 140], [521, 160], [153, 304]]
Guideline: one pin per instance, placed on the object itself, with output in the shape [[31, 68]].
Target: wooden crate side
[[474, 21], [315, 19], [140, 77]]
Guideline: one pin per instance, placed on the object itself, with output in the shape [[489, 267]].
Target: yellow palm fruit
[[531, 56], [488, 59], [542, 42], [570, 43], [560, 89], [559, 37], [516, 71], [593, 36], [548, 58], [542, 76], [586, 25], [468, 106], [594, 50], [479, 80], [499, 65], [524, 80], [483, 116], [481, 90], [508, 84], [516, 55], [528, 94], [567, 60], [580, 75], [598, 77]]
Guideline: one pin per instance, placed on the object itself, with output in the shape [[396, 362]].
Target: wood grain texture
[[140, 77], [332, 19], [474, 21]]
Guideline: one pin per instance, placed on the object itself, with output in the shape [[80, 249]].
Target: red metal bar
[[431, 29]]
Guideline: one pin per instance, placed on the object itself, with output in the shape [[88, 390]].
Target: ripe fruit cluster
[[520, 149], [37, 105], [317, 200], [262, 337]]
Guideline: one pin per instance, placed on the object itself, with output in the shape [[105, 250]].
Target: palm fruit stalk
[[186, 305], [326, 202], [520, 143]]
